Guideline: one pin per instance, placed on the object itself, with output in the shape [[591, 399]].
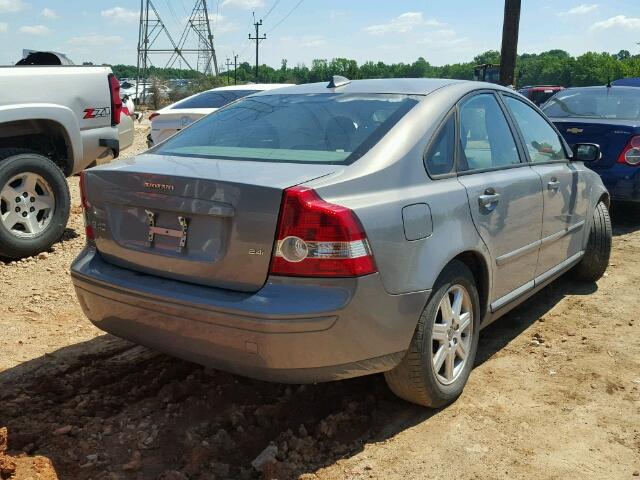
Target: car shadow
[[625, 218], [106, 407], [68, 234]]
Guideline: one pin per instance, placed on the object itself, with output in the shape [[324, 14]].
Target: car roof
[[533, 87], [602, 87], [408, 86], [253, 86]]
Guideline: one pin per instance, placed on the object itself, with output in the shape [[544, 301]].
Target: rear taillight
[[319, 239], [631, 153], [116, 101], [153, 115], [86, 206]]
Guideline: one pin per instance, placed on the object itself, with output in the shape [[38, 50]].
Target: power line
[[215, 20], [286, 16], [275, 4]]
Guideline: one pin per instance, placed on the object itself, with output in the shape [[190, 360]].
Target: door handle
[[553, 184], [488, 199]]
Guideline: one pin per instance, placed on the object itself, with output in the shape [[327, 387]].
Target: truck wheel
[[596, 257], [437, 364], [34, 203]]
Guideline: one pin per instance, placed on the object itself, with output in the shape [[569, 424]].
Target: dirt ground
[[555, 394]]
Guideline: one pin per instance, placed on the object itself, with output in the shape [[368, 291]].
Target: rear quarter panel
[[392, 176]]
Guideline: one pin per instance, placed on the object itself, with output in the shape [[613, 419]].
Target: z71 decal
[[96, 112]]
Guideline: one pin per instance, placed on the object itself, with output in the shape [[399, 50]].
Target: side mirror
[[586, 152]]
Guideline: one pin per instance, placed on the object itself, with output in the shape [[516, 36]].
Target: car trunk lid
[[611, 135], [205, 221], [168, 122]]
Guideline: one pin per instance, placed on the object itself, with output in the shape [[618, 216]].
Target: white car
[[173, 118]]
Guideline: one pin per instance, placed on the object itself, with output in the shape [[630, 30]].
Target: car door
[[504, 193], [564, 187]]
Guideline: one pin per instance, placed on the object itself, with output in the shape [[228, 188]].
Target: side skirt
[[500, 308]]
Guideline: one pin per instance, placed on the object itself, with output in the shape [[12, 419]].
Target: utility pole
[[235, 69], [257, 38], [509, 51], [228, 64]]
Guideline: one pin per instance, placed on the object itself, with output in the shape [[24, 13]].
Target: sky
[[450, 31]]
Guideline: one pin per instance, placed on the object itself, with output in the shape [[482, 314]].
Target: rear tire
[[418, 378], [596, 256], [46, 198]]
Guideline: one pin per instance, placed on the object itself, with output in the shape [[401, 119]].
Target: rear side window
[[485, 137], [439, 159], [213, 99], [541, 140]]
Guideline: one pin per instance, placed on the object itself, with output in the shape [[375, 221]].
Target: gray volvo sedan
[[326, 231]]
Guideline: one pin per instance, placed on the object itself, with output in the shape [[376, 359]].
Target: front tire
[[442, 352], [34, 203], [596, 256]]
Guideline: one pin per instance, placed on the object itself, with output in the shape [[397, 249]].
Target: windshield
[[606, 103], [311, 128], [213, 99]]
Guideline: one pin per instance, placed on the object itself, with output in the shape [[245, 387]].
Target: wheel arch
[[47, 137], [50, 130], [477, 263], [606, 199]]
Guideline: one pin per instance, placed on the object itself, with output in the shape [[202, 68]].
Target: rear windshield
[[213, 99], [540, 96], [605, 103], [311, 128]]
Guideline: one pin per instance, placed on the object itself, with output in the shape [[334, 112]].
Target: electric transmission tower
[[199, 27], [155, 38]]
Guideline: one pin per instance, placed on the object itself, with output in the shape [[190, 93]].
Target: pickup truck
[[54, 122]]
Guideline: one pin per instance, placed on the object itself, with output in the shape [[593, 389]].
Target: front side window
[[300, 128], [617, 103], [212, 99], [542, 141], [485, 137], [439, 159]]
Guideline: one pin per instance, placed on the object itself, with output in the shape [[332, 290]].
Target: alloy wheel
[[27, 204], [451, 335]]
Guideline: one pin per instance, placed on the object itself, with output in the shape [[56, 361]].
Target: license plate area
[[155, 230]]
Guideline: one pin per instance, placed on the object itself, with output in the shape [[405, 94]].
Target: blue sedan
[[610, 117]]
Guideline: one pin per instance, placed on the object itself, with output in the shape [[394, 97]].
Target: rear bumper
[[292, 330], [622, 181], [97, 144]]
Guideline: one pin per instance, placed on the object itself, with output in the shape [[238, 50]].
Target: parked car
[[54, 122], [627, 82], [320, 232], [175, 117], [610, 117], [539, 94]]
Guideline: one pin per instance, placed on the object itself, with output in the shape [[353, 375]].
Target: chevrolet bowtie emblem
[[575, 130]]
